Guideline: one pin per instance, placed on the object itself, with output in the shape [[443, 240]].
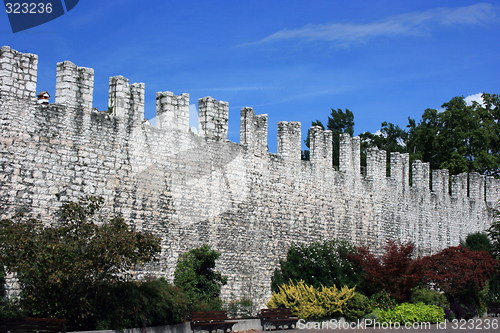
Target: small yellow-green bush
[[411, 313], [308, 302], [357, 307]]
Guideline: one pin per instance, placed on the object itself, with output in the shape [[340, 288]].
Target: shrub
[[242, 308], [463, 311], [383, 301], [411, 313], [429, 297], [396, 271], [140, 304], [61, 266], [10, 309], [461, 274], [357, 307], [478, 241], [318, 264], [195, 274], [308, 302]]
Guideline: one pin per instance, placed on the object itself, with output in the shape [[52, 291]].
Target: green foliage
[[318, 264], [411, 313], [242, 308], [195, 274], [139, 304], [61, 268], [429, 297], [308, 302], [10, 309], [461, 138], [357, 307], [383, 301], [478, 241]]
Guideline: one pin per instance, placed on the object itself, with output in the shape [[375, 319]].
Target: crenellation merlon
[[321, 147], [399, 164], [18, 74], [440, 183], [74, 85], [254, 131], [459, 186], [350, 154], [492, 190], [476, 187], [376, 164], [420, 175], [213, 116], [289, 140], [126, 100], [172, 111]]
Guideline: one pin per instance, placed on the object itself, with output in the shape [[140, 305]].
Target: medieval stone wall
[[192, 189]]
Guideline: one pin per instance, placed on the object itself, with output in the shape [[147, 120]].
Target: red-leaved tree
[[396, 272], [458, 271]]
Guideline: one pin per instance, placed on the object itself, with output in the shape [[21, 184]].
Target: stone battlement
[[192, 189]]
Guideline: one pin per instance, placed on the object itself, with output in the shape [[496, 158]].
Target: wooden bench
[[494, 309], [31, 325], [277, 318], [211, 321]]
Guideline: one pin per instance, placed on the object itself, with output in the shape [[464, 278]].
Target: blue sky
[[385, 60]]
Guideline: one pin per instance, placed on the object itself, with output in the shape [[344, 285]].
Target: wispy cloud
[[408, 24]]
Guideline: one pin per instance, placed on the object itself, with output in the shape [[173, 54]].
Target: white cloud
[[475, 98], [408, 24]]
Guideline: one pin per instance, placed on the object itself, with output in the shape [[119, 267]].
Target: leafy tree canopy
[[195, 273], [478, 241], [318, 264], [61, 267]]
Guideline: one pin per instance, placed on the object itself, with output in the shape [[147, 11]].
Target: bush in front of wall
[[429, 297], [411, 313], [357, 307], [308, 302], [383, 301]]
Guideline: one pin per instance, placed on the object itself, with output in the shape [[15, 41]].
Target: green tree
[[461, 138], [195, 273], [478, 241], [318, 264], [62, 268]]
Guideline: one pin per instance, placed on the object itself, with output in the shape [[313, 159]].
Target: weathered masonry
[[192, 188]]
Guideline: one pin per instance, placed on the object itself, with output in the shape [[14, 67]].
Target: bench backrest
[[208, 316], [275, 313], [29, 325]]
